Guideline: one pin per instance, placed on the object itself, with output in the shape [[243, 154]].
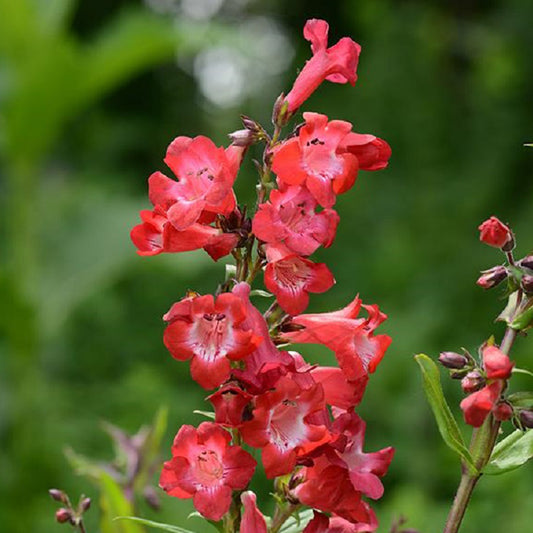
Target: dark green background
[[91, 93]]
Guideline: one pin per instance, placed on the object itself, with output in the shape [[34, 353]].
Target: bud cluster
[[68, 513]]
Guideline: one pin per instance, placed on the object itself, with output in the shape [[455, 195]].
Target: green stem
[[281, 515]]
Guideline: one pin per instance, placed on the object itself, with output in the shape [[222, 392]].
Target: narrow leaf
[[510, 453], [445, 421], [521, 399], [207, 414], [522, 371], [155, 525]]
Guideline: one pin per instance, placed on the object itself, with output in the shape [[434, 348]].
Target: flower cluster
[[300, 416]]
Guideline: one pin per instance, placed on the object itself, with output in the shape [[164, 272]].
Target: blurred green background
[[92, 92]]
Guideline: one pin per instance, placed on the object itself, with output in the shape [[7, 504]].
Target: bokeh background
[[92, 92]]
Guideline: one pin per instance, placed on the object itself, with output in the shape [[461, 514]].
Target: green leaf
[[259, 292], [297, 522], [522, 371], [508, 313], [524, 320], [207, 414], [510, 453], [155, 525], [521, 399], [445, 421]]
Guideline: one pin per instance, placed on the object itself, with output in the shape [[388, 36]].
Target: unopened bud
[[495, 233], [453, 360], [85, 504], [473, 381], [526, 418], [527, 262], [280, 112], [502, 411], [492, 277], [58, 495], [63, 515], [527, 283], [242, 138], [151, 497]]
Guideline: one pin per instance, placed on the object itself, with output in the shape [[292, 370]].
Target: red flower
[[372, 152], [156, 235], [338, 391], [206, 175], [252, 520], [317, 158], [229, 402], [289, 217], [280, 425], [211, 333], [357, 349], [497, 365], [495, 233], [335, 524], [337, 63], [477, 406], [206, 468], [291, 278]]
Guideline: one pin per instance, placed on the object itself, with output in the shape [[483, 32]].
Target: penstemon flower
[[266, 397]]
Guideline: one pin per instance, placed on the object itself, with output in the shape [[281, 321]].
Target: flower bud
[[492, 277], [242, 137], [526, 418], [453, 360], [85, 504], [527, 283], [495, 233], [58, 495], [280, 112], [63, 515], [473, 382], [527, 262], [502, 411]]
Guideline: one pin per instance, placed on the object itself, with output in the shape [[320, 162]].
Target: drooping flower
[[337, 63], [356, 348], [229, 402], [252, 519], [317, 159], [495, 233], [280, 425], [291, 278], [205, 178], [156, 235], [497, 364], [477, 406], [206, 468], [289, 217], [211, 333], [335, 524]]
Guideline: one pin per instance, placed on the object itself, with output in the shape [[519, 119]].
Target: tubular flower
[[291, 278], [205, 179], [280, 425], [289, 218], [372, 152], [356, 348], [497, 364], [335, 524], [156, 235], [495, 233], [230, 402], [317, 158], [211, 333], [477, 406], [206, 468], [337, 63]]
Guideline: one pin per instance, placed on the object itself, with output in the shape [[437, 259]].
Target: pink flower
[[289, 218], [252, 519], [205, 179], [335, 524], [337, 63], [211, 333], [495, 233], [497, 365], [372, 152], [477, 406], [291, 278], [356, 348], [229, 402], [280, 425], [206, 468], [317, 158], [338, 391], [156, 235]]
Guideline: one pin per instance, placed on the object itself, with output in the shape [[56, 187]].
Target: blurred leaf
[[445, 421], [155, 525], [522, 371], [524, 320], [207, 414], [113, 503], [53, 15], [521, 399], [510, 453], [297, 522], [259, 292]]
